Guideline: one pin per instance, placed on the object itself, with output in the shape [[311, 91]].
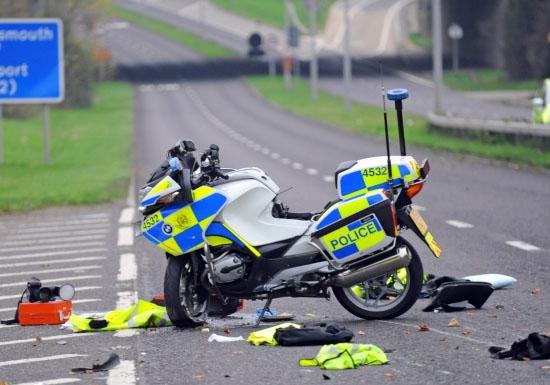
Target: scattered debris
[[227, 376], [329, 333], [535, 347], [423, 328], [536, 290], [108, 364], [443, 372], [311, 315], [443, 339], [544, 367], [217, 338], [361, 333], [499, 307], [325, 377], [38, 339], [466, 332], [406, 332], [388, 374], [453, 323], [62, 342], [143, 353], [199, 377], [205, 329], [227, 331], [498, 281]]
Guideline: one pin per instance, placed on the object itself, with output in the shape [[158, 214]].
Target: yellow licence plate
[[423, 228]]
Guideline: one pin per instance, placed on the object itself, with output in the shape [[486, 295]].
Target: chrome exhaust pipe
[[400, 259]]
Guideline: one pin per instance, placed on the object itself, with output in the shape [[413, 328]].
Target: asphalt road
[[491, 204]]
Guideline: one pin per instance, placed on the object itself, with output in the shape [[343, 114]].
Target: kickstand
[[264, 310]]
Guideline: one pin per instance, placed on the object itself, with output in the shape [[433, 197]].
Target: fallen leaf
[[536, 290], [205, 330], [227, 331], [466, 332], [406, 332], [325, 377], [492, 316], [423, 328], [199, 377], [361, 333], [443, 339], [388, 374], [62, 342], [309, 315], [453, 323], [38, 339]]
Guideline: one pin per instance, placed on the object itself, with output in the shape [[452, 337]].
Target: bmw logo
[[167, 228]]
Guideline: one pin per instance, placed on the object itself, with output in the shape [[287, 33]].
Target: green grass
[[487, 79], [189, 40], [271, 11], [420, 40], [368, 119], [90, 150]]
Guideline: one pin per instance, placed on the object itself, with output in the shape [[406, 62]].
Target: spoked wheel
[[186, 302], [387, 296]]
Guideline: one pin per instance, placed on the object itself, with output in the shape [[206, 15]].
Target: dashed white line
[[52, 253], [55, 240], [48, 229], [125, 236], [275, 155], [328, 178], [459, 224], [285, 161], [126, 215], [56, 381], [312, 171], [60, 279], [58, 233], [48, 271], [51, 262], [126, 299], [49, 338], [297, 166], [123, 374], [523, 245], [43, 247], [41, 359], [128, 268]]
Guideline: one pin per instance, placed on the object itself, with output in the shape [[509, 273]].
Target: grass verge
[[420, 40], [90, 150], [368, 119], [271, 11], [189, 40], [487, 79]]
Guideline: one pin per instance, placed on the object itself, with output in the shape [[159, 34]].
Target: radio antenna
[[390, 176]]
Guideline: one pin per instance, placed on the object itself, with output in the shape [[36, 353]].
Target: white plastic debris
[[218, 338], [498, 281]]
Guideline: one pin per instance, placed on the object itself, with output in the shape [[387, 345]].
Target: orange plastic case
[[44, 313]]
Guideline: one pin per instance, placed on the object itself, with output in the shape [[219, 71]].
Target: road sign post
[[456, 33], [31, 66]]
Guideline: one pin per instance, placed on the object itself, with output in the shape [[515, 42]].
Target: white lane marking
[[285, 161], [126, 215], [125, 333], [51, 262], [70, 222], [523, 245], [49, 338], [459, 224], [128, 268], [56, 381], [328, 178], [122, 374], [297, 166], [51, 253], [42, 247], [40, 359], [275, 155], [419, 208], [470, 339], [266, 151], [312, 171], [61, 280], [55, 240], [47, 229], [126, 299], [125, 236], [58, 233], [77, 289], [48, 271]]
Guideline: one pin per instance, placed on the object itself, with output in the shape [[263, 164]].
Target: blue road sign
[[31, 61]]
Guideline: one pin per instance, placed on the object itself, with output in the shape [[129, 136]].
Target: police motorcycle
[[227, 235]]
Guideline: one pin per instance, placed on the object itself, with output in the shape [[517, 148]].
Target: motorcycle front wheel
[[387, 296], [186, 299]]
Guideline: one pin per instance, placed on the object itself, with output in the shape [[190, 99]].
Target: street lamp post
[[313, 67], [437, 56]]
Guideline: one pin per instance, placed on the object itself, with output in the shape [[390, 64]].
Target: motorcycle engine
[[228, 268]]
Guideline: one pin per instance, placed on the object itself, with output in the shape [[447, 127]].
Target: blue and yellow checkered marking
[[349, 207], [180, 228], [221, 234]]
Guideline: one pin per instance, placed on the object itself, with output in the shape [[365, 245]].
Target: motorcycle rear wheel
[[186, 303], [387, 296]]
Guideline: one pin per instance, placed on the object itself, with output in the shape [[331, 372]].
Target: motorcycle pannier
[[356, 227]]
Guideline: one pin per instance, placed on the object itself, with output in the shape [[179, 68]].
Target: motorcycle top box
[[358, 177], [356, 227]]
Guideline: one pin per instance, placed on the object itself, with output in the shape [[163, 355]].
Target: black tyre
[[186, 302], [387, 296]]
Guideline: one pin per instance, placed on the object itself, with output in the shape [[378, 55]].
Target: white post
[[437, 56], [313, 67], [46, 133], [455, 54], [347, 58]]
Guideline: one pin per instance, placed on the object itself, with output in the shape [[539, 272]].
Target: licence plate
[[423, 228]]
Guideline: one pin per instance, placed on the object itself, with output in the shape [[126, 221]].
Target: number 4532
[[375, 171]]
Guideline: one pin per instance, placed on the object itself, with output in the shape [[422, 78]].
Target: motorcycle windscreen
[[356, 227], [180, 228]]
